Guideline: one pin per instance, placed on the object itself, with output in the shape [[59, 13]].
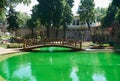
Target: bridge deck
[[71, 44], [49, 45]]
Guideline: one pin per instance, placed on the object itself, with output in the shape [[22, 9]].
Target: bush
[[14, 45], [111, 43], [16, 40], [19, 40], [117, 46]]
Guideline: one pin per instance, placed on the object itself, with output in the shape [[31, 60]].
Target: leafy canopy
[[12, 20], [53, 12], [86, 11]]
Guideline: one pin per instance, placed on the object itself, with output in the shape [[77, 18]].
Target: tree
[[110, 16], [64, 17], [116, 3], [100, 13], [57, 10], [50, 13], [45, 13], [117, 16], [67, 16], [86, 11], [31, 24], [22, 19], [5, 4], [12, 20]]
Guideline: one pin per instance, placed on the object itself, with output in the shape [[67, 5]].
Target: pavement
[[7, 50]]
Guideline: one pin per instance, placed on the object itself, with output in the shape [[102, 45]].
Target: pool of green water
[[62, 66]]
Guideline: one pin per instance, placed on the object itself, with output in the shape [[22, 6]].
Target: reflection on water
[[51, 60], [24, 73], [51, 49], [99, 77], [74, 75]]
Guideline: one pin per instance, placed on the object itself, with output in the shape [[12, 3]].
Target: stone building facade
[[79, 30]]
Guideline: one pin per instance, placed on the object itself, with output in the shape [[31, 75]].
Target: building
[[79, 31]]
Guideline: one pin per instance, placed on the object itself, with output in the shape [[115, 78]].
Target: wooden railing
[[36, 43]]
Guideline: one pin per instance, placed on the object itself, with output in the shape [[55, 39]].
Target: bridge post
[[63, 42], [80, 45]]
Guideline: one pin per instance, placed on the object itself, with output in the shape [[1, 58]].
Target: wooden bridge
[[34, 43]]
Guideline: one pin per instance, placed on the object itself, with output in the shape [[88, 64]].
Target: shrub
[[19, 40], [117, 46], [111, 43], [14, 45]]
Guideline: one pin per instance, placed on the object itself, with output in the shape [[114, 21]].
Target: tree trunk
[[15, 33], [89, 27], [32, 32], [57, 28], [48, 32], [64, 30]]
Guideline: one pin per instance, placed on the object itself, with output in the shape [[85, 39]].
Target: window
[[78, 21], [90, 22], [73, 22]]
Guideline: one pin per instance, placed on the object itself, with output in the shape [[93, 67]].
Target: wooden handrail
[[70, 43]]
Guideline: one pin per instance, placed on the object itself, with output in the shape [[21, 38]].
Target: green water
[[62, 66]]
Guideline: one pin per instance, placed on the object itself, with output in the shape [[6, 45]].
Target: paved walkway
[[5, 50]]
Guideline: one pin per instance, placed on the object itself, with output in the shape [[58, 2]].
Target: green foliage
[[86, 11], [110, 16], [32, 23], [2, 15], [116, 3], [117, 16], [16, 20], [15, 45], [5, 4], [35, 13], [67, 16], [22, 19], [100, 13], [12, 20], [53, 13]]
